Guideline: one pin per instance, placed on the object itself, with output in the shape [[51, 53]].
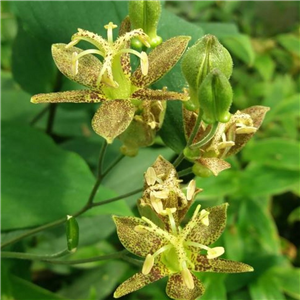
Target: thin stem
[[39, 115], [50, 122], [117, 198], [185, 172], [207, 138], [101, 158], [113, 165], [28, 256]]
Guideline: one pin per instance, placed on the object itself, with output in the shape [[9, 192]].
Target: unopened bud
[[215, 97], [201, 171], [145, 15], [206, 55], [72, 233]]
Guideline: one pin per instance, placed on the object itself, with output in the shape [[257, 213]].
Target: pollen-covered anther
[[156, 204], [148, 264], [150, 176], [74, 63], [215, 252], [160, 194], [140, 229], [204, 217], [243, 129], [168, 211], [191, 188], [187, 278], [144, 63]]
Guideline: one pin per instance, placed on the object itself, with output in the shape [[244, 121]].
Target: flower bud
[[201, 171], [72, 232], [145, 15], [215, 97], [206, 55]]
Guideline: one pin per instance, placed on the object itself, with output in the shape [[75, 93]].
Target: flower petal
[[176, 289], [207, 235], [139, 243], [89, 66], [125, 57], [139, 280], [216, 165], [84, 96], [257, 114], [112, 118], [161, 60], [219, 265], [148, 94]]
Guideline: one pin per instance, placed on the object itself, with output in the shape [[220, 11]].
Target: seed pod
[[215, 97], [145, 15], [72, 232], [201, 171], [206, 55]]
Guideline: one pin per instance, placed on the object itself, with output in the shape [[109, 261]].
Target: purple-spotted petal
[[138, 242], [218, 265], [216, 165], [207, 235], [112, 118], [84, 96], [139, 280], [176, 288], [148, 94]]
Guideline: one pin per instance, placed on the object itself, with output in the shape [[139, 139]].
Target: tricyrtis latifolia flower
[[228, 139], [163, 194], [176, 251], [111, 82]]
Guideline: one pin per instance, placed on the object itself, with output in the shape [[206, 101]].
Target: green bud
[[201, 171], [206, 55], [145, 15], [191, 154], [215, 97], [72, 232]]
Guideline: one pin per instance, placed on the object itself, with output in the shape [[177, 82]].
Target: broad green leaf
[[258, 180], [103, 279], [265, 65], [265, 288], [240, 46], [294, 216], [41, 182], [220, 30], [274, 152], [172, 131], [32, 64], [288, 280], [26, 290], [290, 42]]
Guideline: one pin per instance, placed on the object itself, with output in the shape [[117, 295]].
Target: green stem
[[113, 165], [185, 172], [101, 158], [50, 122], [39, 115], [28, 256], [207, 138]]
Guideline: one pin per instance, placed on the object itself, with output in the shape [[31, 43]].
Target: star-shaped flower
[[111, 81], [228, 139], [176, 252]]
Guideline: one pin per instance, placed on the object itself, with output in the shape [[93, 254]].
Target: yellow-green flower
[[176, 252], [111, 81]]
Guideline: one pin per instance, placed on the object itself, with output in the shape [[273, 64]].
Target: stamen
[[191, 190], [71, 44], [74, 63], [194, 244], [246, 130], [143, 59], [157, 230], [90, 51], [169, 212], [204, 217], [196, 211], [150, 176], [110, 26], [156, 204], [140, 229], [187, 277], [148, 264], [160, 194], [215, 252]]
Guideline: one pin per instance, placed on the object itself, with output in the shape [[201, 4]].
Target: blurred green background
[[48, 168]]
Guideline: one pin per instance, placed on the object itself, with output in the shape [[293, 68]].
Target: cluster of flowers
[[169, 249]]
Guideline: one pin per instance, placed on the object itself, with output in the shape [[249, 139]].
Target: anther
[[215, 252], [148, 264]]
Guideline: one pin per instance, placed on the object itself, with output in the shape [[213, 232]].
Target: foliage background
[[48, 170]]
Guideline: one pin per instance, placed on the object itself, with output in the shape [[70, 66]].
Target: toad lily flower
[[111, 81], [176, 252], [228, 139]]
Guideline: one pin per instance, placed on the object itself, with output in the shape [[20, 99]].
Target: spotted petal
[[139, 243], [148, 94], [161, 60], [176, 289], [89, 66], [84, 96], [257, 114], [207, 235], [112, 118], [219, 265], [216, 165], [139, 280]]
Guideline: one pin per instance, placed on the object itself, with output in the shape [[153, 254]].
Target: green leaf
[[240, 46], [41, 182], [274, 152], [32, 64], [220, 30], [103, 280], [294, 216], [172, 131], [265, 65], [25, 290], [290, 42]]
